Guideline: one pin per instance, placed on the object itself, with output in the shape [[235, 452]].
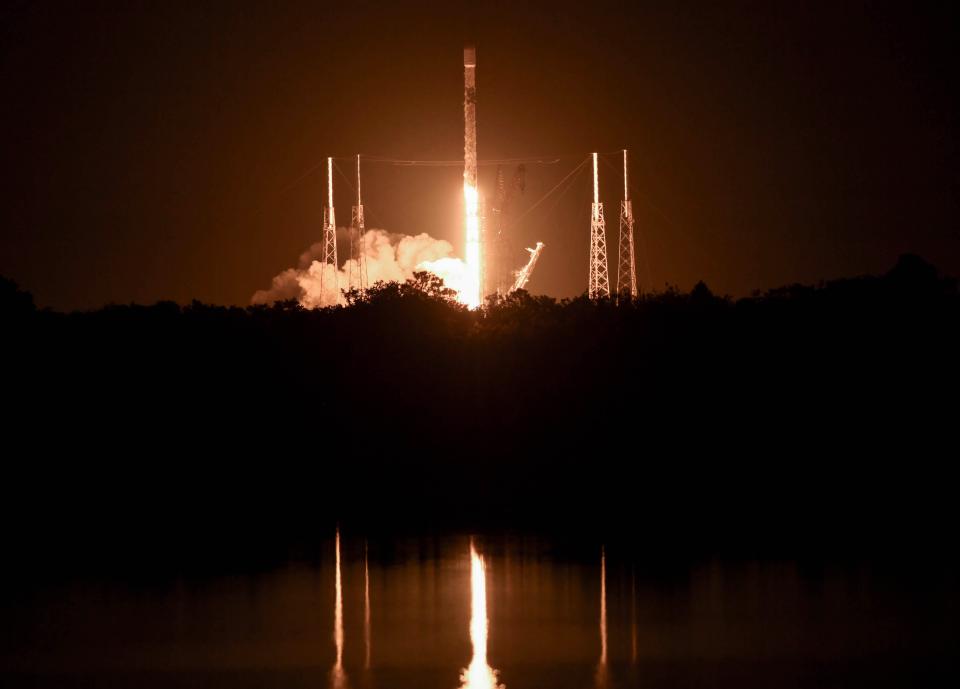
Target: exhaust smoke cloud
[[389, 257]]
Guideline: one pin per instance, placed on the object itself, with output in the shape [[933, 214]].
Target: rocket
[[470, 116], [472, 295]]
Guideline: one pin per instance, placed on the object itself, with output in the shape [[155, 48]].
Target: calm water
[[411, 615]]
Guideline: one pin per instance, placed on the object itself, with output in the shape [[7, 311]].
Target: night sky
[[172, 150]]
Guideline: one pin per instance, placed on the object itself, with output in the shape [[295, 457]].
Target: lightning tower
[[626, 270], [329, 237], [357, 254], [472, 291], [598, 284]]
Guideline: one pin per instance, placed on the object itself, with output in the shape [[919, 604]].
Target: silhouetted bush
[[13, 301], [684, 415]]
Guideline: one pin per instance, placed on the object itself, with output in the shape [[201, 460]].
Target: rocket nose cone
[[469, 55]]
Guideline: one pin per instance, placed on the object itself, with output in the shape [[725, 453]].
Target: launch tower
[[598, 284], [329, 254], [626, 267]]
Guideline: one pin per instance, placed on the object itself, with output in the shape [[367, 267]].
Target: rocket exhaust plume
[[471, 295], [479, 675]]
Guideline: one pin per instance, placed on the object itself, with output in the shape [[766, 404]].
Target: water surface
[[434, 614]]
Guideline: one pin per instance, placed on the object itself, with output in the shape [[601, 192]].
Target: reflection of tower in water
[[601, 677], [366, 605], [479, 675]]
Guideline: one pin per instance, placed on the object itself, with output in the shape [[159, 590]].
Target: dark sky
[[158, 150]]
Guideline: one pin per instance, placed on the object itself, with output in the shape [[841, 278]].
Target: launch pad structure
[[523, 275], [486, 276], [487, 269]]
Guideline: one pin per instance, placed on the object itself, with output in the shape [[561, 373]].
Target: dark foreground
[[770, 479], [804, 421]]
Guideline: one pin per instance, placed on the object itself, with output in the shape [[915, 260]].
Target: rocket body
[[472, 291], [470, 116]]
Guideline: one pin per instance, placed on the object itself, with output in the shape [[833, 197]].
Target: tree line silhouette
[[804, 417]]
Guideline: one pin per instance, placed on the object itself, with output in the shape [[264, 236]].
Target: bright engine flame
[[479, 675], [470, 294]]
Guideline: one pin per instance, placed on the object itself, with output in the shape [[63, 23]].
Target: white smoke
[[388, 257]]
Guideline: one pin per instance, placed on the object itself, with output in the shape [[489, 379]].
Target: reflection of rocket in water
[[366, 605], [601, 678], [478, 675], [338, 677]]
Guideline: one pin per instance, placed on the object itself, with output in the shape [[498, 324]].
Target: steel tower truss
[[598, 284]]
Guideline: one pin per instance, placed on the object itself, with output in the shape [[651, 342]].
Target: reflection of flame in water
[[601, 678], [479, 675], [366, 604], [633, 617], [338, 677]]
